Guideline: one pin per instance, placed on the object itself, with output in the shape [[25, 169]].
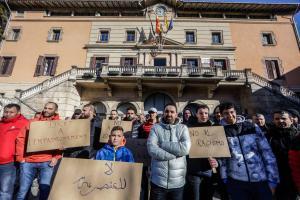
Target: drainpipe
[[7, 24]]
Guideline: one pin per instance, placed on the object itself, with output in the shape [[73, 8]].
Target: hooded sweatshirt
[[34, 157], [10, 129]]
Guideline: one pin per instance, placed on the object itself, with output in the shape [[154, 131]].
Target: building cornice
[[142, 4]]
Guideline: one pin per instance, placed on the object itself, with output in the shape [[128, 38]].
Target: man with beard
[[281, 136], [88, 112], [131, 116], [114, 115], [168, 144], [41, 163], [251, 172]]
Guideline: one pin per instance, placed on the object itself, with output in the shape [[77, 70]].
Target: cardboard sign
[[208, 142], [107, 125], [138, 147], [83, 179], [58, 134]]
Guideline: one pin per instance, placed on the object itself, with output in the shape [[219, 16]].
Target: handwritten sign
[[139, 150], [58, 134], [107, 125], [82, 179], [208, 142]]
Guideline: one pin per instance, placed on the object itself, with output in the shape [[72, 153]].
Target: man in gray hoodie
[[168, 144]]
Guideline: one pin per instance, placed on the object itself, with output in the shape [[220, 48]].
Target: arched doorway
[[122, 108], [100, 110], [157, 100]]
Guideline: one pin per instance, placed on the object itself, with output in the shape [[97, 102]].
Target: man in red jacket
[[41, 162], [11, 125]]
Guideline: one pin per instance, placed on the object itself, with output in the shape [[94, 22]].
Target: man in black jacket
[[199, 170], [281, 136]]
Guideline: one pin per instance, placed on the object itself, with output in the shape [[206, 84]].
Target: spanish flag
[[166, 23], [157, 29]]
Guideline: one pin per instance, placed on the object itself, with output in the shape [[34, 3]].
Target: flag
[[166, 23], [171, 25], [157, 29]]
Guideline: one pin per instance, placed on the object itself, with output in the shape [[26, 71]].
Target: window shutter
[[53, 70], [49, 38], [227, 64], [269, 69], [106, 60], [134, 61], [199, 62], [122, 61], [11, 65], [39, 66], [212, 62], [93, 62]]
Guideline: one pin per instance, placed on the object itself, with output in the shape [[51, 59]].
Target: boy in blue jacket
[[115, 149]]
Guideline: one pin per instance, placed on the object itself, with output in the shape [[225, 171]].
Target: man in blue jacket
[[251, 172], [115, 150]]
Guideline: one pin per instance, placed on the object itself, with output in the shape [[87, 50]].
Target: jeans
[[7, 180], [240, 190], [27, 175], [159, 193]]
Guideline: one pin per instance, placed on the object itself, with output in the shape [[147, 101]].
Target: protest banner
[[83, 179], [58, 134], [107, 125], [208, 142], [138, 147]]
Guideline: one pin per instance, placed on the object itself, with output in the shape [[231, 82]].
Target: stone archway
[[122, 108], [101, 110]]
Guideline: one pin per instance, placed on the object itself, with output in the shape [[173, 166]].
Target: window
[[274, 70], [191, 62], [128, 61], [55, 35], [103, 36], [216, 37], [268, 39], [7, 65], [221, 63], [96, 62], [190, 37], [14, 34], [130, 36], [46, 66]]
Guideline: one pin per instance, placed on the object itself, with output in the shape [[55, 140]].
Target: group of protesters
[[264, 162]]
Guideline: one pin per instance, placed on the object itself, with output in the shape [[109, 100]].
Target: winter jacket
[[144, 129], [35, 156], [10, 129], [168, 144], [196, 166], [108, 152], [294, 161], [251, 159]]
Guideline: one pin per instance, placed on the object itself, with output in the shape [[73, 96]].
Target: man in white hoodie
[[168, 144]]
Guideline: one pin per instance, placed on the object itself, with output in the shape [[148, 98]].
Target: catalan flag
[[157, 29], [166, 23]]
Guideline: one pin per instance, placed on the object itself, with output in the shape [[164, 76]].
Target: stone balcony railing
[[235, 76]]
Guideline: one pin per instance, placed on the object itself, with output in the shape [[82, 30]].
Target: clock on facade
[[160, 11]]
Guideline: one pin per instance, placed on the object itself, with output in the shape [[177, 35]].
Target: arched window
[[158, 101]]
